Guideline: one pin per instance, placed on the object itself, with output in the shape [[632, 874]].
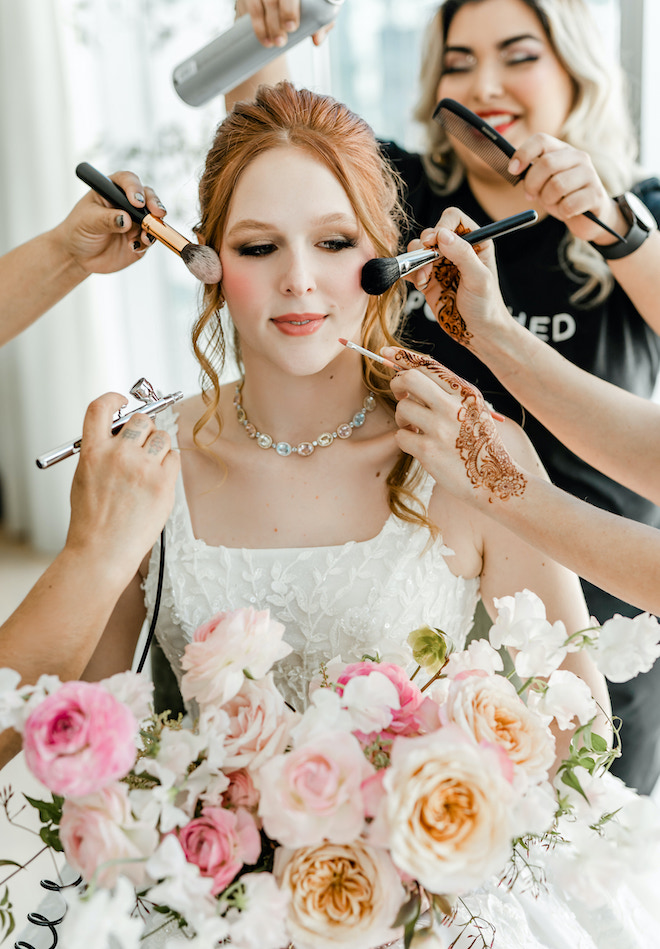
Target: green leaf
[[9, 863], [48, 810], [50, 836], [568, 777], [409, 912], [599, 744]]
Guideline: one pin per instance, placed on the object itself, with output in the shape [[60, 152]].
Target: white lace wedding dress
[[348, 601]]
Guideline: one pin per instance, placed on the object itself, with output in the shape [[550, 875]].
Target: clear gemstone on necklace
[[284, 449], [264, 441], [345, 430], [359, 419], [369, 402], [325, 439], [305, 449], [250, 429], [240, 414]]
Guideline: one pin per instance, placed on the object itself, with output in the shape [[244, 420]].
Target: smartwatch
[[641, 223]]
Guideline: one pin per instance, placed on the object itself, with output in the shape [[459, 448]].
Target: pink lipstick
[[299, 324]]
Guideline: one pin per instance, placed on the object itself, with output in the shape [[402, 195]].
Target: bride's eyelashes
[[265, 248]]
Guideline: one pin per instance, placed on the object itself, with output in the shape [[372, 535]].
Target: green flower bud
[[429, 648]]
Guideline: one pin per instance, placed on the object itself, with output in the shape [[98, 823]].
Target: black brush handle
[[499, 228], [110, 191]]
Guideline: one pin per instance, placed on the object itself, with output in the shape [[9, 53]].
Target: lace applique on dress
[[349, 600]]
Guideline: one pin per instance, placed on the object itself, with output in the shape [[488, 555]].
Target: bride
[[295, 494]]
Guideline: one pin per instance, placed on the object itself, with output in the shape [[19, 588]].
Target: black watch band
[[641, 224]]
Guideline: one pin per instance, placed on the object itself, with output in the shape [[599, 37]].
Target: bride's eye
[[256, 250], [339, 243]]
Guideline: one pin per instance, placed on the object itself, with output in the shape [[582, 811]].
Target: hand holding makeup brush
[[461, 286]]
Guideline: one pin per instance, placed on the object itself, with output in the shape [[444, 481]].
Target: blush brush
[[486, 143], [201, 261], [379, 274]]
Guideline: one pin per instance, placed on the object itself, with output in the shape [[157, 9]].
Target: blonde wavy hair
[[280, 116], [599, 122]]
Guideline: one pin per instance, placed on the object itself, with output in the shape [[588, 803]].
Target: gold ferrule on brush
[[164, 233]]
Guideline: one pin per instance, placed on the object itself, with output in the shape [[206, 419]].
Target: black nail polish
[[119, 220], [136, 245]]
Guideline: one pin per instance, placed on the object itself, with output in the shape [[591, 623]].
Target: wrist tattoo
[[448, 275], [487, 462]]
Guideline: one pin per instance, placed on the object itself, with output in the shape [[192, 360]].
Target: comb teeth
[[481, 139]]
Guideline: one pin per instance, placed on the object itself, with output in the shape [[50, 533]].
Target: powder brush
[[379, 274], [201, 261]]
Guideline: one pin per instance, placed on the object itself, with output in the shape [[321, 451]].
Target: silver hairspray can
[[237, 54]]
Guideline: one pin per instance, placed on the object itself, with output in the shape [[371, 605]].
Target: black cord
[[159, 590], [37, 919]]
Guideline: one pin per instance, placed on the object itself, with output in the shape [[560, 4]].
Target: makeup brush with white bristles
[[379, 274], [201, 261]]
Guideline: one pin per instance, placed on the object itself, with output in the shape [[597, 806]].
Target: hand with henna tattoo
[[446, 424], [461, 286]]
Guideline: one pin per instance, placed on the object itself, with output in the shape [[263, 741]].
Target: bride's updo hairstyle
[[329, 132]]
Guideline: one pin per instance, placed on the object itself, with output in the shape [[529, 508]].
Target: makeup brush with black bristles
[[201, 261], [379, 274]]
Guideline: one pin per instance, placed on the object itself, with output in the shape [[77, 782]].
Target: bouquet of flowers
[[367, 817]]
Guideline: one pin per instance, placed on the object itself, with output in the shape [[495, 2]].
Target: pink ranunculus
[[241, 792], [314, 792], [220, 842], [411, 717], [80, 739], [225, 646], [259, 725], [99, 833]]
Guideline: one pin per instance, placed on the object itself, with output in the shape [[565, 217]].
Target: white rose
[[344, 895], [625, 647], [447, 811], [259, 725], [261, 922], [371, 701], [567, 697]]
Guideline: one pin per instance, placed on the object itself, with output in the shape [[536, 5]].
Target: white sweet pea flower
[[11, 703], [261, 921], [133, 690], [324, 713], [102, 920], [371, 701], [478, 655], [206, 784], [534, 812], [156, 806], [567, 697], [625, 647], [213, 725], [522, 624], [209, 932], [177, 750], [183, 888]]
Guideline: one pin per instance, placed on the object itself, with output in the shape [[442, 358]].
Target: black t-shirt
[[610, 340]]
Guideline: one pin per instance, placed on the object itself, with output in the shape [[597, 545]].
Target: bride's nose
[[298, 277]]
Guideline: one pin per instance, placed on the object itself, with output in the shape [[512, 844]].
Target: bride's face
[[292, 255]]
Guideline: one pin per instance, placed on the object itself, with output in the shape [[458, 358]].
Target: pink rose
[[259, 725], [241, 792], [100, 828], [79, 739], [314, 792], [225, 646], [412, 717], [220, 842]]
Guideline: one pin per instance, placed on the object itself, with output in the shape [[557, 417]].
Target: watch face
[[640, 211]]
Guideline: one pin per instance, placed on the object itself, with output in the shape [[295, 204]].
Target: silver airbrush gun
[[151, 406]]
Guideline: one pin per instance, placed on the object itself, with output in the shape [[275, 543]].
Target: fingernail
[[139, 197], [280, 41], [151, 238], [290, 26], [119, 220], [136, 245], [160, 204], [515, 166]]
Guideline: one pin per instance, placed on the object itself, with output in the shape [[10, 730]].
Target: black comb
[[487, 143]]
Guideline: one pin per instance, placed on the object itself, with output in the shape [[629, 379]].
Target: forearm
[[33, 278], [611, 429], [583, 538], [59, 624], [638, 276], [269, 75]]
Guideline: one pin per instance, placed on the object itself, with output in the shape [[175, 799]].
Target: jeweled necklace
[[345, 430]]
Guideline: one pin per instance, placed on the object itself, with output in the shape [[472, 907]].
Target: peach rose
[[344, 895], [447, 811], [241, 792], [99, 833], [490, 709]]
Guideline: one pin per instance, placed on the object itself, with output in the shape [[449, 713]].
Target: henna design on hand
[[448, 275], [487, 462]]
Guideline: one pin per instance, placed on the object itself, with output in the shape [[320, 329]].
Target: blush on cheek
[[239, 289]]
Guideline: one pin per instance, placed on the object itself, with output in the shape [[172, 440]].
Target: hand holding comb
[[487, 143]]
